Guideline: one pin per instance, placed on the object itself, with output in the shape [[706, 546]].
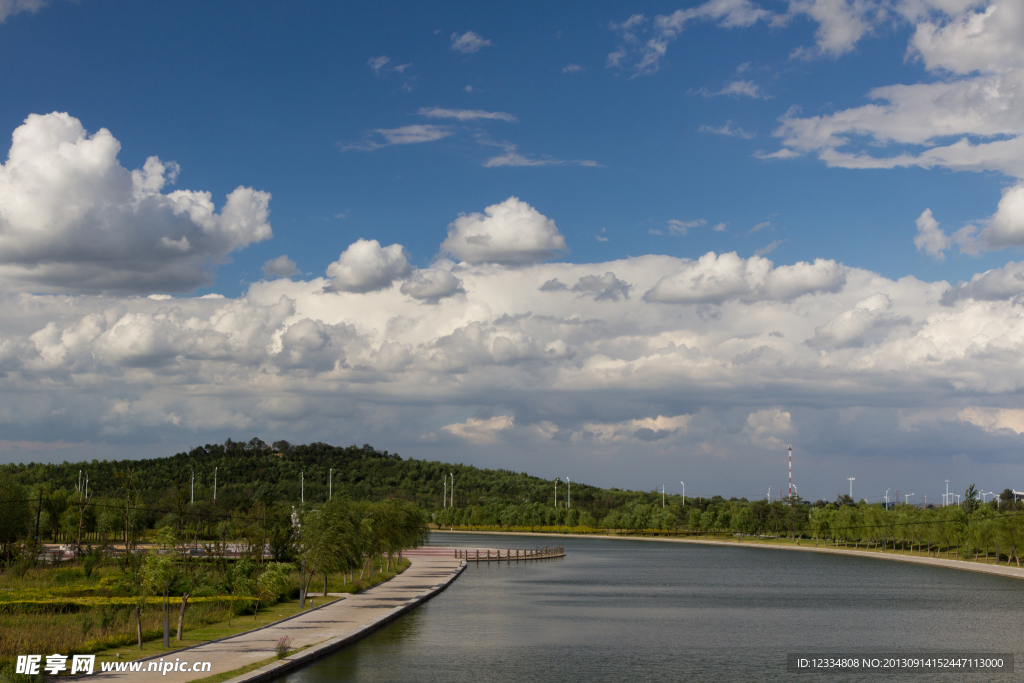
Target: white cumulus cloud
[[282, 266], [765, 427], [73, 219], [643, 429], [512, 232], [997, 284], [367, 267], [994, 419], [930, 238], [715, 279], [432, 285], [867, 322], [481, 432], [841, 24]]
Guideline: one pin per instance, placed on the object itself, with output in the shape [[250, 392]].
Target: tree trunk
[[305, 589], [81, 515], [181, 614], [138, 624]]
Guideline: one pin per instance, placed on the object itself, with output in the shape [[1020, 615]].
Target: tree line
[[965, 531], [231, 490]]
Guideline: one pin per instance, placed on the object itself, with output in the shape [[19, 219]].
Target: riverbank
[[777, 544], [317, 632]]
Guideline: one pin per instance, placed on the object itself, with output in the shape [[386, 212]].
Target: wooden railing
[[538, 553]]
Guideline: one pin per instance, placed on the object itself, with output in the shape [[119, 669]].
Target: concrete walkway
[[326, 629], [999, 570]]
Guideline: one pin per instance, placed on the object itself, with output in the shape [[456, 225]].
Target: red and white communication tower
[[791, 472]]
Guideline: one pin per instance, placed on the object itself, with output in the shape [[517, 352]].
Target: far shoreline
[[962, 565]]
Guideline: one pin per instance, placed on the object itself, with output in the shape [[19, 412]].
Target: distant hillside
[[249, 470]]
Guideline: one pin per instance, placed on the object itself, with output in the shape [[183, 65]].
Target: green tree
[[54, 505], [693, 519], [15, 514], [238, 582], [270, 584], [971, 501]]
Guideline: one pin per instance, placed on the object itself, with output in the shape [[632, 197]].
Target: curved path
[[326, 629]]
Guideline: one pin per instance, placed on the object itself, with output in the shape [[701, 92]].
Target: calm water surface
[[619, 610]]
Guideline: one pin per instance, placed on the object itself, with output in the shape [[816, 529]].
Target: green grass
[[109, 629], [239, 624]]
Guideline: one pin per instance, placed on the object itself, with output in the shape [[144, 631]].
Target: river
[[621, 610]]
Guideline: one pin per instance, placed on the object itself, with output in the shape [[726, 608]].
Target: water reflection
[[640, 611]]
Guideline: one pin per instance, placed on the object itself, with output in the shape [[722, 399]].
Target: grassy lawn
[[239, 624], [202, 634]]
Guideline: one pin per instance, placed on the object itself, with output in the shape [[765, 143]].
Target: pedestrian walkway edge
[[300, 659]]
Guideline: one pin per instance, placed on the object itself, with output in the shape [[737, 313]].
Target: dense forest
[[278, 476]]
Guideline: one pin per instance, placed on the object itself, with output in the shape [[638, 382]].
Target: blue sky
[[867, 150], [268, 96]]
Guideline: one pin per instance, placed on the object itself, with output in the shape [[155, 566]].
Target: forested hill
[[246, 471]]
